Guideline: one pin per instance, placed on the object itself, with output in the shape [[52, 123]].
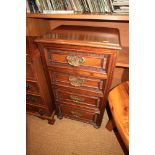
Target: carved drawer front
[[37, 110], [77, 99], [77, 113], [77, 81], [85, 60], [29, 71], [78, 90], [32, 87], [33, 99]]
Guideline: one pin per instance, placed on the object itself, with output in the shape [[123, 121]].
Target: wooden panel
[[79, 72], [83, 36], [38, 99], [77, 113], [88, 72], [78, 99], [75, 81], [77, 59], [87, 61], [90, 16], [123, 27], [44, 85], [123, 58], [36, 27], [78, 90], [120, 75]]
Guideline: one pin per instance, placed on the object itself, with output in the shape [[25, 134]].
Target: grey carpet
[[69, 137]]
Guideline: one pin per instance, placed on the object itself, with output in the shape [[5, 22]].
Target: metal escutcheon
[[76, 114], [74, 81], [76, 99], [75, 60]]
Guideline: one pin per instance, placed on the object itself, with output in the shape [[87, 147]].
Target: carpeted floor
[[69, 137]]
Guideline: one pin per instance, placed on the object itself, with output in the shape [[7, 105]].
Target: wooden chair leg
[[109, 125], [124, 148]]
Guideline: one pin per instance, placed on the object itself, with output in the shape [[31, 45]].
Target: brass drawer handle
[[76, 114], [75, 60], [74, 81], [76, 99]]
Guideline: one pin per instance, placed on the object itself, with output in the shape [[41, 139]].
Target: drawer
[[33, 99], [77, 81], [77, 113], [78, 99], [29, 71], [37, 110], [84, 60], [32, 87], [77, 90]]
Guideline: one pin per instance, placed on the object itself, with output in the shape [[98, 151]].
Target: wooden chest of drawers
[[38, 98], [79, 62]]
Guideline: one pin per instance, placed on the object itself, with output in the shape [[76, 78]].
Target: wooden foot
[[96, 126], [59, 116], [110, 125], [51, 121]]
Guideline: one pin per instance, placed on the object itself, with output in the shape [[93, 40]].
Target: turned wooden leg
[[110, 125], [96, 126], [59, 116], [51, 120]]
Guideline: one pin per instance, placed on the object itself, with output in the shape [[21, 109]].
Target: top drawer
[[85, 60]]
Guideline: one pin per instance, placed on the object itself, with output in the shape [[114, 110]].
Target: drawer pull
[[76, 114], [76, 99], [75, 60], [28, 86], [74, 81]]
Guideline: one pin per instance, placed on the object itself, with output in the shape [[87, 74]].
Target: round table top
[[119, 104]]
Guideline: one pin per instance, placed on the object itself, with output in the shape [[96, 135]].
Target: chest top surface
[[83, 36]]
